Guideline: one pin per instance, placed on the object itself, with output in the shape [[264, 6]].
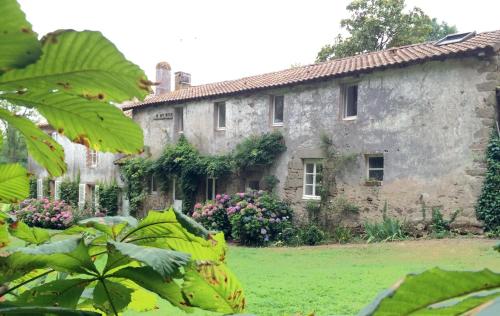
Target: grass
[[340, 280], [337, 280]]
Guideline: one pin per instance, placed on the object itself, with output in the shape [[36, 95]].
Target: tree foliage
[[379, 24], [105, 260]]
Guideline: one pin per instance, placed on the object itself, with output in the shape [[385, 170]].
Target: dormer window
[[455, 38]]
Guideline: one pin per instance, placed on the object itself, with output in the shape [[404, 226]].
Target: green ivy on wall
[[488, 204], [185, 162], [69, 192], [108, 198]]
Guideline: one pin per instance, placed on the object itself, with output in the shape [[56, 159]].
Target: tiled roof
[[393, 57]]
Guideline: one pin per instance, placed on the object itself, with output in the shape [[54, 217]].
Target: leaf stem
[[25, 282]]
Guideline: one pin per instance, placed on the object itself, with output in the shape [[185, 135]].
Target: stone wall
[[431, 122]]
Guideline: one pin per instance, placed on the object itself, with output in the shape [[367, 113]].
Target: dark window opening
[[375, 168], [351, 101]]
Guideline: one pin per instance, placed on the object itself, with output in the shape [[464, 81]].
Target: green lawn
[[341, 280]]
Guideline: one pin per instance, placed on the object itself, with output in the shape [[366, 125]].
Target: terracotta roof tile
[[400, 56]]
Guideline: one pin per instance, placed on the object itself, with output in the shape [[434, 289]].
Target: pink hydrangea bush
[[45, 213], [251, 218]]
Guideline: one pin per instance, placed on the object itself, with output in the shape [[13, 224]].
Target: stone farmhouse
[[417, 118]]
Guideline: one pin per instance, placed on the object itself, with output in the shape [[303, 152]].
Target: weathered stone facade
[[431, 122]]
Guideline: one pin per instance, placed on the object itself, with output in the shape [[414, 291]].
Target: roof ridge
[[418, 52]]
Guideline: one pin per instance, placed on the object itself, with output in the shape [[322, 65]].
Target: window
[[179, 120], [220, 112], [92, 158], [350, 102], [312, 179], [278, 108], [253, 185], [210, 189], [153, 185], [375, 168], [455, 38]]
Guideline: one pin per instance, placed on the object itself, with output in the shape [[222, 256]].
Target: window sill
[[349, 118], [373, 183], [311, 197], [220, 129], [277, 125]]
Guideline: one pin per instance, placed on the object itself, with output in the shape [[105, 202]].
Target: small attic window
[[455, 38]]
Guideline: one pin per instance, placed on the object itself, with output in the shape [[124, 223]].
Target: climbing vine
[[488, 204], [185, 162], [69, 192], [108, 198]]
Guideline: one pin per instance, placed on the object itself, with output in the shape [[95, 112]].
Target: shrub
[[45, 213], [488, 204], [259, 150], [213, 214], [311, 235], [69, 192], [341, 234], [289, 236], [439, 226], [270, 182], [253, 218], [313, 210], [341, 204], [108, 199], [387, 230]]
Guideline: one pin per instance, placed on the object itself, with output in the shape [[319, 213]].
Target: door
[[177, 194]]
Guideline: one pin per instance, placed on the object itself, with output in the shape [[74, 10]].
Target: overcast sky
[[227, 39]]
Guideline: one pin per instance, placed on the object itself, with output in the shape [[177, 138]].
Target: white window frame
[[368, 169], [152, 185], [274, 110], [217, 109], [94, 158], [214, 181], [96, 196], [314, 184], [345, 96]]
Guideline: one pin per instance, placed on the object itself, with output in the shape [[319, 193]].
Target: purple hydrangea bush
[[45, 213], [252, 218]]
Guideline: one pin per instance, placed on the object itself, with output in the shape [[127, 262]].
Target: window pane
[[351, 101], [319, 168], [309, 190], [222, 114], [376, 162], [310, 168], [309, 179], [376, 175], [278, 109]]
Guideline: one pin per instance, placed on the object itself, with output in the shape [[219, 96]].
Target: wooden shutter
[[57, 190], [81, 195], [39, 188]]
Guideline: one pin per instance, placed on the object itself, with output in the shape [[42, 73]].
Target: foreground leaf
[[9, 309], [14, 183], [32, 235], [63, 293], [213, 287], [19, 43], [111, 297], [41, 147], [164, 262], [427, 293]]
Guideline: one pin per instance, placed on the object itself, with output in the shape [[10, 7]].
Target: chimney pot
[[182, 80]]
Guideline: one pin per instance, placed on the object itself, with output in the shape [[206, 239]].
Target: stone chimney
[[163, 78], [182, 80]]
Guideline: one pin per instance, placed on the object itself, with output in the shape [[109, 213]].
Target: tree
[[379, 24]]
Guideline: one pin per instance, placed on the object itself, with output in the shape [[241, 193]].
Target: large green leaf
[[437, 292], [4, 233], [214, 287], [110, 225], [72, 85], [190, 225], [64, 293], [19, 44], [164, 262], [161, 229], [69, 256], [154, 282], [14, 183], [111, 297], [32, 235], [45, 150]]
